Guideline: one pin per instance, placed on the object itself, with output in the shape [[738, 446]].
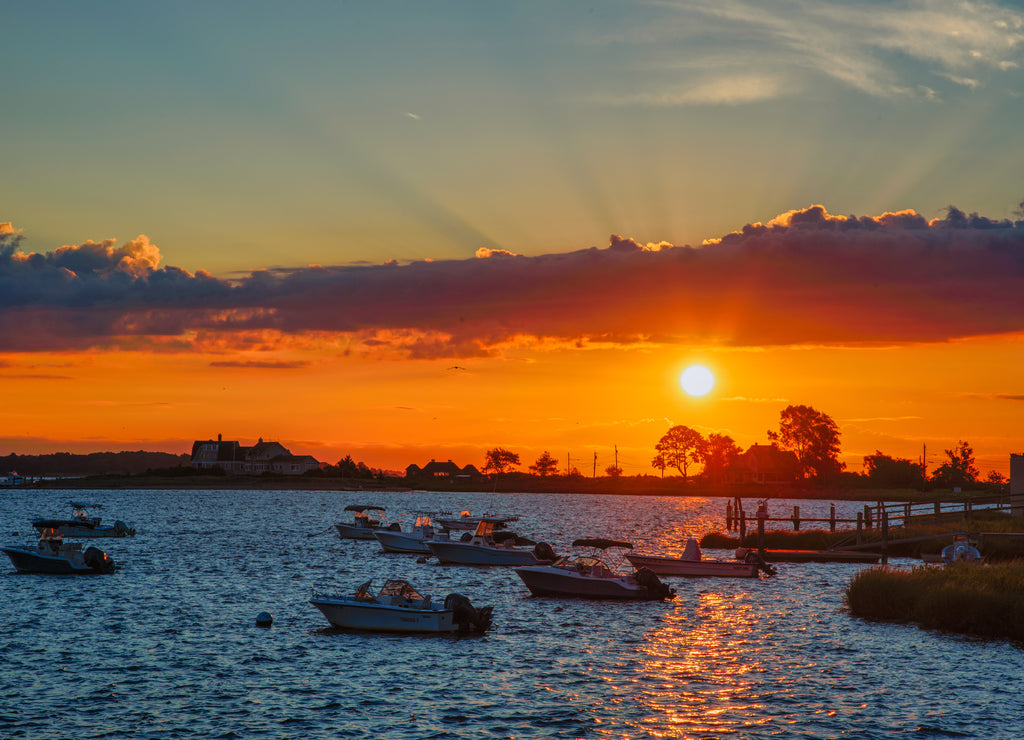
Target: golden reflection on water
[[695, 677]]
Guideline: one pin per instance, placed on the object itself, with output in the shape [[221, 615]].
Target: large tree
[[679, 448], [813, 436], [959, 469], [892, 472], [545, 465], [499, 460], [719, 452]]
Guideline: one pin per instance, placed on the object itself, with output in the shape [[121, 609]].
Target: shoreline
[[604, 486]]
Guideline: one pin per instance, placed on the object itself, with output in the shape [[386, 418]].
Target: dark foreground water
[[168, 647]]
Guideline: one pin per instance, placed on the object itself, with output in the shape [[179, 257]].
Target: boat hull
[[545, 580], [465, 553], [369, 617], [402, 542], [663, 566], [352, 532]]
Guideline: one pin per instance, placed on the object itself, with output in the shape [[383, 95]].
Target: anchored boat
[[52, 555], [486, 547], [589, 576], [398, 607]]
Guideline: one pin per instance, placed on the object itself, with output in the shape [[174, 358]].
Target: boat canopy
[[601, 543], [362, 507], [400, 588]]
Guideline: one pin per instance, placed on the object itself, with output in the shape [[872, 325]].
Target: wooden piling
[[796, 518], [728, 516], [832, 518], [885, 536], [860, 532], [762, 514]]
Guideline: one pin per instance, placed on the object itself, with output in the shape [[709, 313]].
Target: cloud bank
[[804, 277]]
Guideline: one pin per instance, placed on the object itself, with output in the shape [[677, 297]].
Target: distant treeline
[[65, 464]]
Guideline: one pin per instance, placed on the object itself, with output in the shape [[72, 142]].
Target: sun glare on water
[[697, 380]]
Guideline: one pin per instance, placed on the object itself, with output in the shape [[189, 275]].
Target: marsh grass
[[980, 600]]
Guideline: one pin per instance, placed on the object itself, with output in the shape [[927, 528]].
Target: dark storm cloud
[[805, 277]]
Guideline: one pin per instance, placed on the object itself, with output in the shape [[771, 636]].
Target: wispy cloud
[[728, 52]]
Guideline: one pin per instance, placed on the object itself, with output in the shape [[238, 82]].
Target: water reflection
[[697, 676]]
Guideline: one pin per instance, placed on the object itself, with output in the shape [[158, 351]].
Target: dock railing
[[878, 525]]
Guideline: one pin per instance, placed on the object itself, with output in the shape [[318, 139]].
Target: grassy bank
[[980, 600]]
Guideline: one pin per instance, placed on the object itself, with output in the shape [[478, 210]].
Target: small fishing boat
[[366, 520], [52, 555], [413, 541], [692, 563], [589, 576], [399, 607], [487, 547], [83, 525], [961, 551]]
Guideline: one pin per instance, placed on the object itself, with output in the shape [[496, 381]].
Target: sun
[[697, 380]]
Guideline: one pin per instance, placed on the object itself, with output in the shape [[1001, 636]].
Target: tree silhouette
[[719, 451], [813, 436], [545, 465], [959, 470], [679, 448], [499, 460], [893, 472]]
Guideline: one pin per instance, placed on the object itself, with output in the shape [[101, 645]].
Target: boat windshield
[[422, 521], [400, 588]]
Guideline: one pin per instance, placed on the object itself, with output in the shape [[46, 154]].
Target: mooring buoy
[[264, 619]]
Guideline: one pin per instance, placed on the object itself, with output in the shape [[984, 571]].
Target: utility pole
[[595, 465]]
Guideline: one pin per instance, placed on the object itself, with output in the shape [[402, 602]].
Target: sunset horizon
[[421, 235]]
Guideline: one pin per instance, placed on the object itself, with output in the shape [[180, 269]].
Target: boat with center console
[[83, 525], [413, 541], [692, 563], [590, 576], [366, 520], [54, 556], [398, 607], [487, 547]]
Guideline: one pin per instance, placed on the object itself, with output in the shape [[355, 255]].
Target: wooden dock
[[883, 522]]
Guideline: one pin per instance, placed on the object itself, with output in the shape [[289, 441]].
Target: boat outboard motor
[[98, 560], [123, 530], [544, 551], [753, 556], [655, 588], [466, 616], [394, 527]]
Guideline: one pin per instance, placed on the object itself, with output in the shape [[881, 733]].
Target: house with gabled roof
[[448, 471], [765, 464], [262, 457]]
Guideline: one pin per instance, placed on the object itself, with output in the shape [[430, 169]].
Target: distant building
[[765, 464], [262, 457], [448, 471], [1017, 485]]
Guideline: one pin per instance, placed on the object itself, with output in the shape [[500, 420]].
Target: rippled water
[[168, 647]]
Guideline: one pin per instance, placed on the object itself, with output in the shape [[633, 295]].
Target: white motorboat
[[413, 541], [486, 547], [961, 551], [398, 607], [366, 520], [467, 522], [52, 555], [83, 525], [692, 563], [590, 577]]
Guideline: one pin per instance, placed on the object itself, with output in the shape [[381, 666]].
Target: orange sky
[[907, 333]]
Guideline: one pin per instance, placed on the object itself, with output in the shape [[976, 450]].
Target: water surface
[[167, 647]]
